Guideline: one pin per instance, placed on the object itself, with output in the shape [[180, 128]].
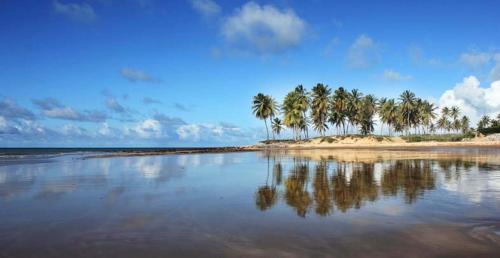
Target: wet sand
[[434, 202]]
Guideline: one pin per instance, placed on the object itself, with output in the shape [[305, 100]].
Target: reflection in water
[[325, 185], [424, 204]]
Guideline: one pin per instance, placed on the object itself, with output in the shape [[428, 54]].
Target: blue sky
[[182, 73]]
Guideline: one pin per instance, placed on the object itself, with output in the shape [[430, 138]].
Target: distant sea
[[56, 151]]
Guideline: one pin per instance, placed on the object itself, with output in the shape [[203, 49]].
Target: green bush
[[438, 138], [489, 130]]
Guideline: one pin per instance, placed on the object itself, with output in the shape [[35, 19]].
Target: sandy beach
[[376, 142]]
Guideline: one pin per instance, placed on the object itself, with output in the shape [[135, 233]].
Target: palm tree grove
[[344, 112]]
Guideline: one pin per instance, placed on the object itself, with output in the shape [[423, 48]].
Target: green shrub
[[438, 138], [489, 130]]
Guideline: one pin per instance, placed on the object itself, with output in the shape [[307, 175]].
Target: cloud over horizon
[[391, 75], [207, 8], [363, 53], [473, 100], [52, 108], [263, 29], [136, 75], [82, 12]]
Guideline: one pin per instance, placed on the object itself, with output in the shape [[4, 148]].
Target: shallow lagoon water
[[316, 203]]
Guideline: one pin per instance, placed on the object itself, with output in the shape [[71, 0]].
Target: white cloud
[[80, 12], [332, 44], [30, 127], [61, 112], [190, 131], [263, 29], [52, 108], [475, 60], [207, 8], [495, 72], [394, 76], [104, 130], [212, 132], [3, 123], [136, 75], [10, 109], [149, 128], [114, 105], [363, 53], [72, 130], [473, 100]]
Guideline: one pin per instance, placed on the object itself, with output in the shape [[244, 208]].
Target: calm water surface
[[333, 203]]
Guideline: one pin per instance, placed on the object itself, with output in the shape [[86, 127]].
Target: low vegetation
[[438, 137]]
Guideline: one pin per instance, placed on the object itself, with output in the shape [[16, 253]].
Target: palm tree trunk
[[272, 131], [267, 130]]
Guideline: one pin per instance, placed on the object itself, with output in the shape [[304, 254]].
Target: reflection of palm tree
[[350, 185], [353, 192], [412, 177], [322, 190], [296, 194], [266, 195]]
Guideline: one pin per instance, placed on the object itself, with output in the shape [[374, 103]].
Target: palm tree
[[442, 123], [483, 122], [277, 126], [302, 104], [495, 122], [366, 111], [391, 112], [381, 105], [464, 124], [454, 113], [338, 113], [427, 114], [354, 100], [264, 107], [408, 105], [320, 94], [292, 115]]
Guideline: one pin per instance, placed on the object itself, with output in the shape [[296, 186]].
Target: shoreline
[[303, 146], [174, 152], [378, 146]]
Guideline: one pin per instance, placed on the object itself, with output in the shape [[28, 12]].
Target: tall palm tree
[[302, 102], [427, 114], [277, 126], [454, 113], [339, 109], [264, 107], [366, 112], [320, 94], [442, 123], [496, 122], [391, 111], [381, 105], [408, 104], [483, 122], [464, 124], [292, 114], [354, 100]]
